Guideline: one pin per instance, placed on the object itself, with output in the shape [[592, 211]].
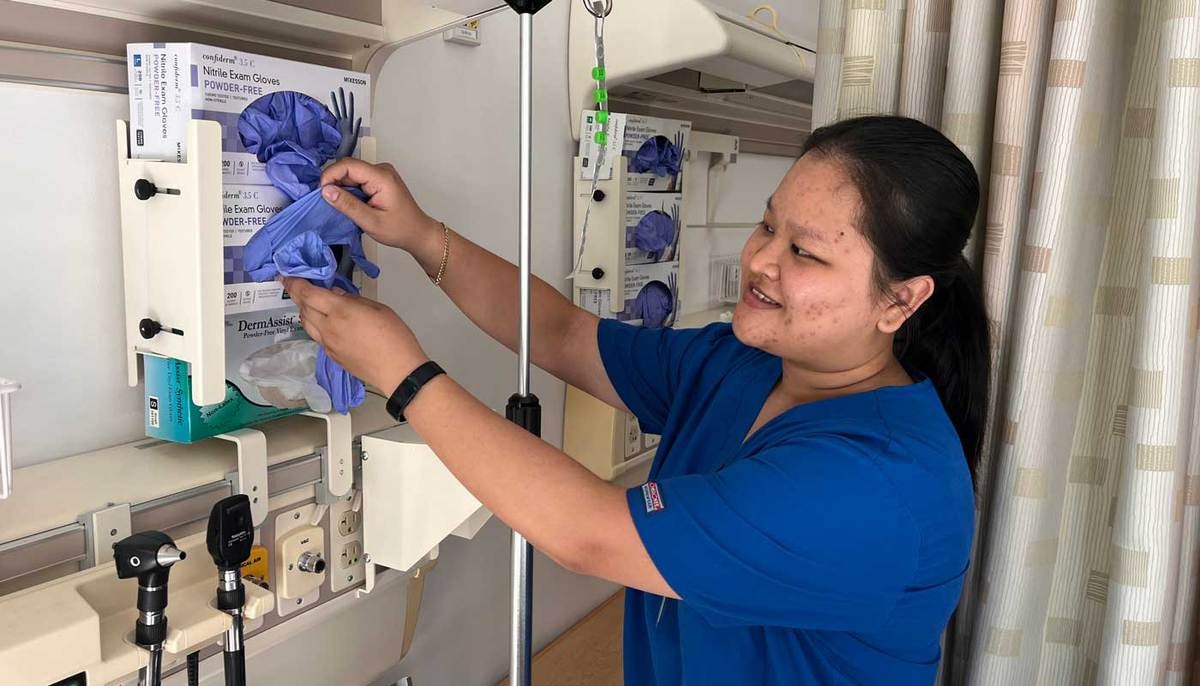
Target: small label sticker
[[654, 501], [153, 412]]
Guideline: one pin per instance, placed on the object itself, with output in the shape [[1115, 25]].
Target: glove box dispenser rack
[[603, 263], [172, 240], [172, 236]]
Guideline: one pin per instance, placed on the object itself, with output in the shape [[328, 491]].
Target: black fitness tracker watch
[[407, 390]]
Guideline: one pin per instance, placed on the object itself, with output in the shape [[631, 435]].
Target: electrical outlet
[[351, 555], [346, 541], [349, 523]]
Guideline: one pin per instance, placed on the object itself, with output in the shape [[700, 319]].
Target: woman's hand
[[365, 337], [390, 215]]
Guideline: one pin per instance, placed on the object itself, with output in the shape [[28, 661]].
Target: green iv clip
[[598, 9]]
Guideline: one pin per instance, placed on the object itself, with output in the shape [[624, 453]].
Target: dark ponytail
[[920, 195]]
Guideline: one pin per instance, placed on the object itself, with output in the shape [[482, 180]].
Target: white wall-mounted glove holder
[[172, 240], [603, 264], [7, 387]]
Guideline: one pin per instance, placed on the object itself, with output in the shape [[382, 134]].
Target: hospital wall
[[446, 118]]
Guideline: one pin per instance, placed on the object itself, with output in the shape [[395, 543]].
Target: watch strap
[[407, 390]]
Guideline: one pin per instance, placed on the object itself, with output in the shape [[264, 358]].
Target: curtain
[[1083, 120]]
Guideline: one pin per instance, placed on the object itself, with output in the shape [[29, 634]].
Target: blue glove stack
[[653, 304], [654, 233], [295, 135], [658, 155]]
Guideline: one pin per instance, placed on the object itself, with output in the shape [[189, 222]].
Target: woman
[[809, 513]]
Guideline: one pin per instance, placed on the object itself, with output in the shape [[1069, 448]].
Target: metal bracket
[[102, 529], [6, 457], [337, 458], [252, 469]]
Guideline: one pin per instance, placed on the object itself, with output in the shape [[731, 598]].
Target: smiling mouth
[[762, 297]]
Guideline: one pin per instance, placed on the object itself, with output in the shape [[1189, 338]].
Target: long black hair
[[920, 195]]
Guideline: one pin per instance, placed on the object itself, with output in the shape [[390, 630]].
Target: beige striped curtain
[[1083, 118]]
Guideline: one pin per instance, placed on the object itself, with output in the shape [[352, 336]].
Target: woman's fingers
[[308, 296], [366, 217], [316, 325], [349, 171]]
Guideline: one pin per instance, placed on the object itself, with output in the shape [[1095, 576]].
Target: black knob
[[598, 196], [597, 273], [149, 328], [144, 189]]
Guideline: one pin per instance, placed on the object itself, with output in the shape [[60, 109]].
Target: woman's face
[[808, 294]]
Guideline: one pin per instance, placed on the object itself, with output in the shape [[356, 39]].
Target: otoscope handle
[[235, 668]]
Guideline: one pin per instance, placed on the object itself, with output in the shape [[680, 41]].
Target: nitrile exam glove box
[[169, 85]]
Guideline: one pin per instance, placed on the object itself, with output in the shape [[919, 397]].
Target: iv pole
[[524, 409]]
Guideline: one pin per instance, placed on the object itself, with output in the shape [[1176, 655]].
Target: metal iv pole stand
[[523, 409]]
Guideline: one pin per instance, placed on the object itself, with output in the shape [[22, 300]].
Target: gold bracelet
[[441, 273]]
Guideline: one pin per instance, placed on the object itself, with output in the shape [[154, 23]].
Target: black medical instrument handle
[[193, 669], [527, 6], [235, 668], [230, 541], [150, 635], [152, 674]]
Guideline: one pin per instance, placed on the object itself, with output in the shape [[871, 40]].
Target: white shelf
[[356, 34], [259, 19], [645, 39]]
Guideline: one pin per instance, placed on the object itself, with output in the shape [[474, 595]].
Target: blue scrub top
[[829, 548]]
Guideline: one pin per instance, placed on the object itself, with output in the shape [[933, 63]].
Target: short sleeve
[[645, 366], [808, 535]]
